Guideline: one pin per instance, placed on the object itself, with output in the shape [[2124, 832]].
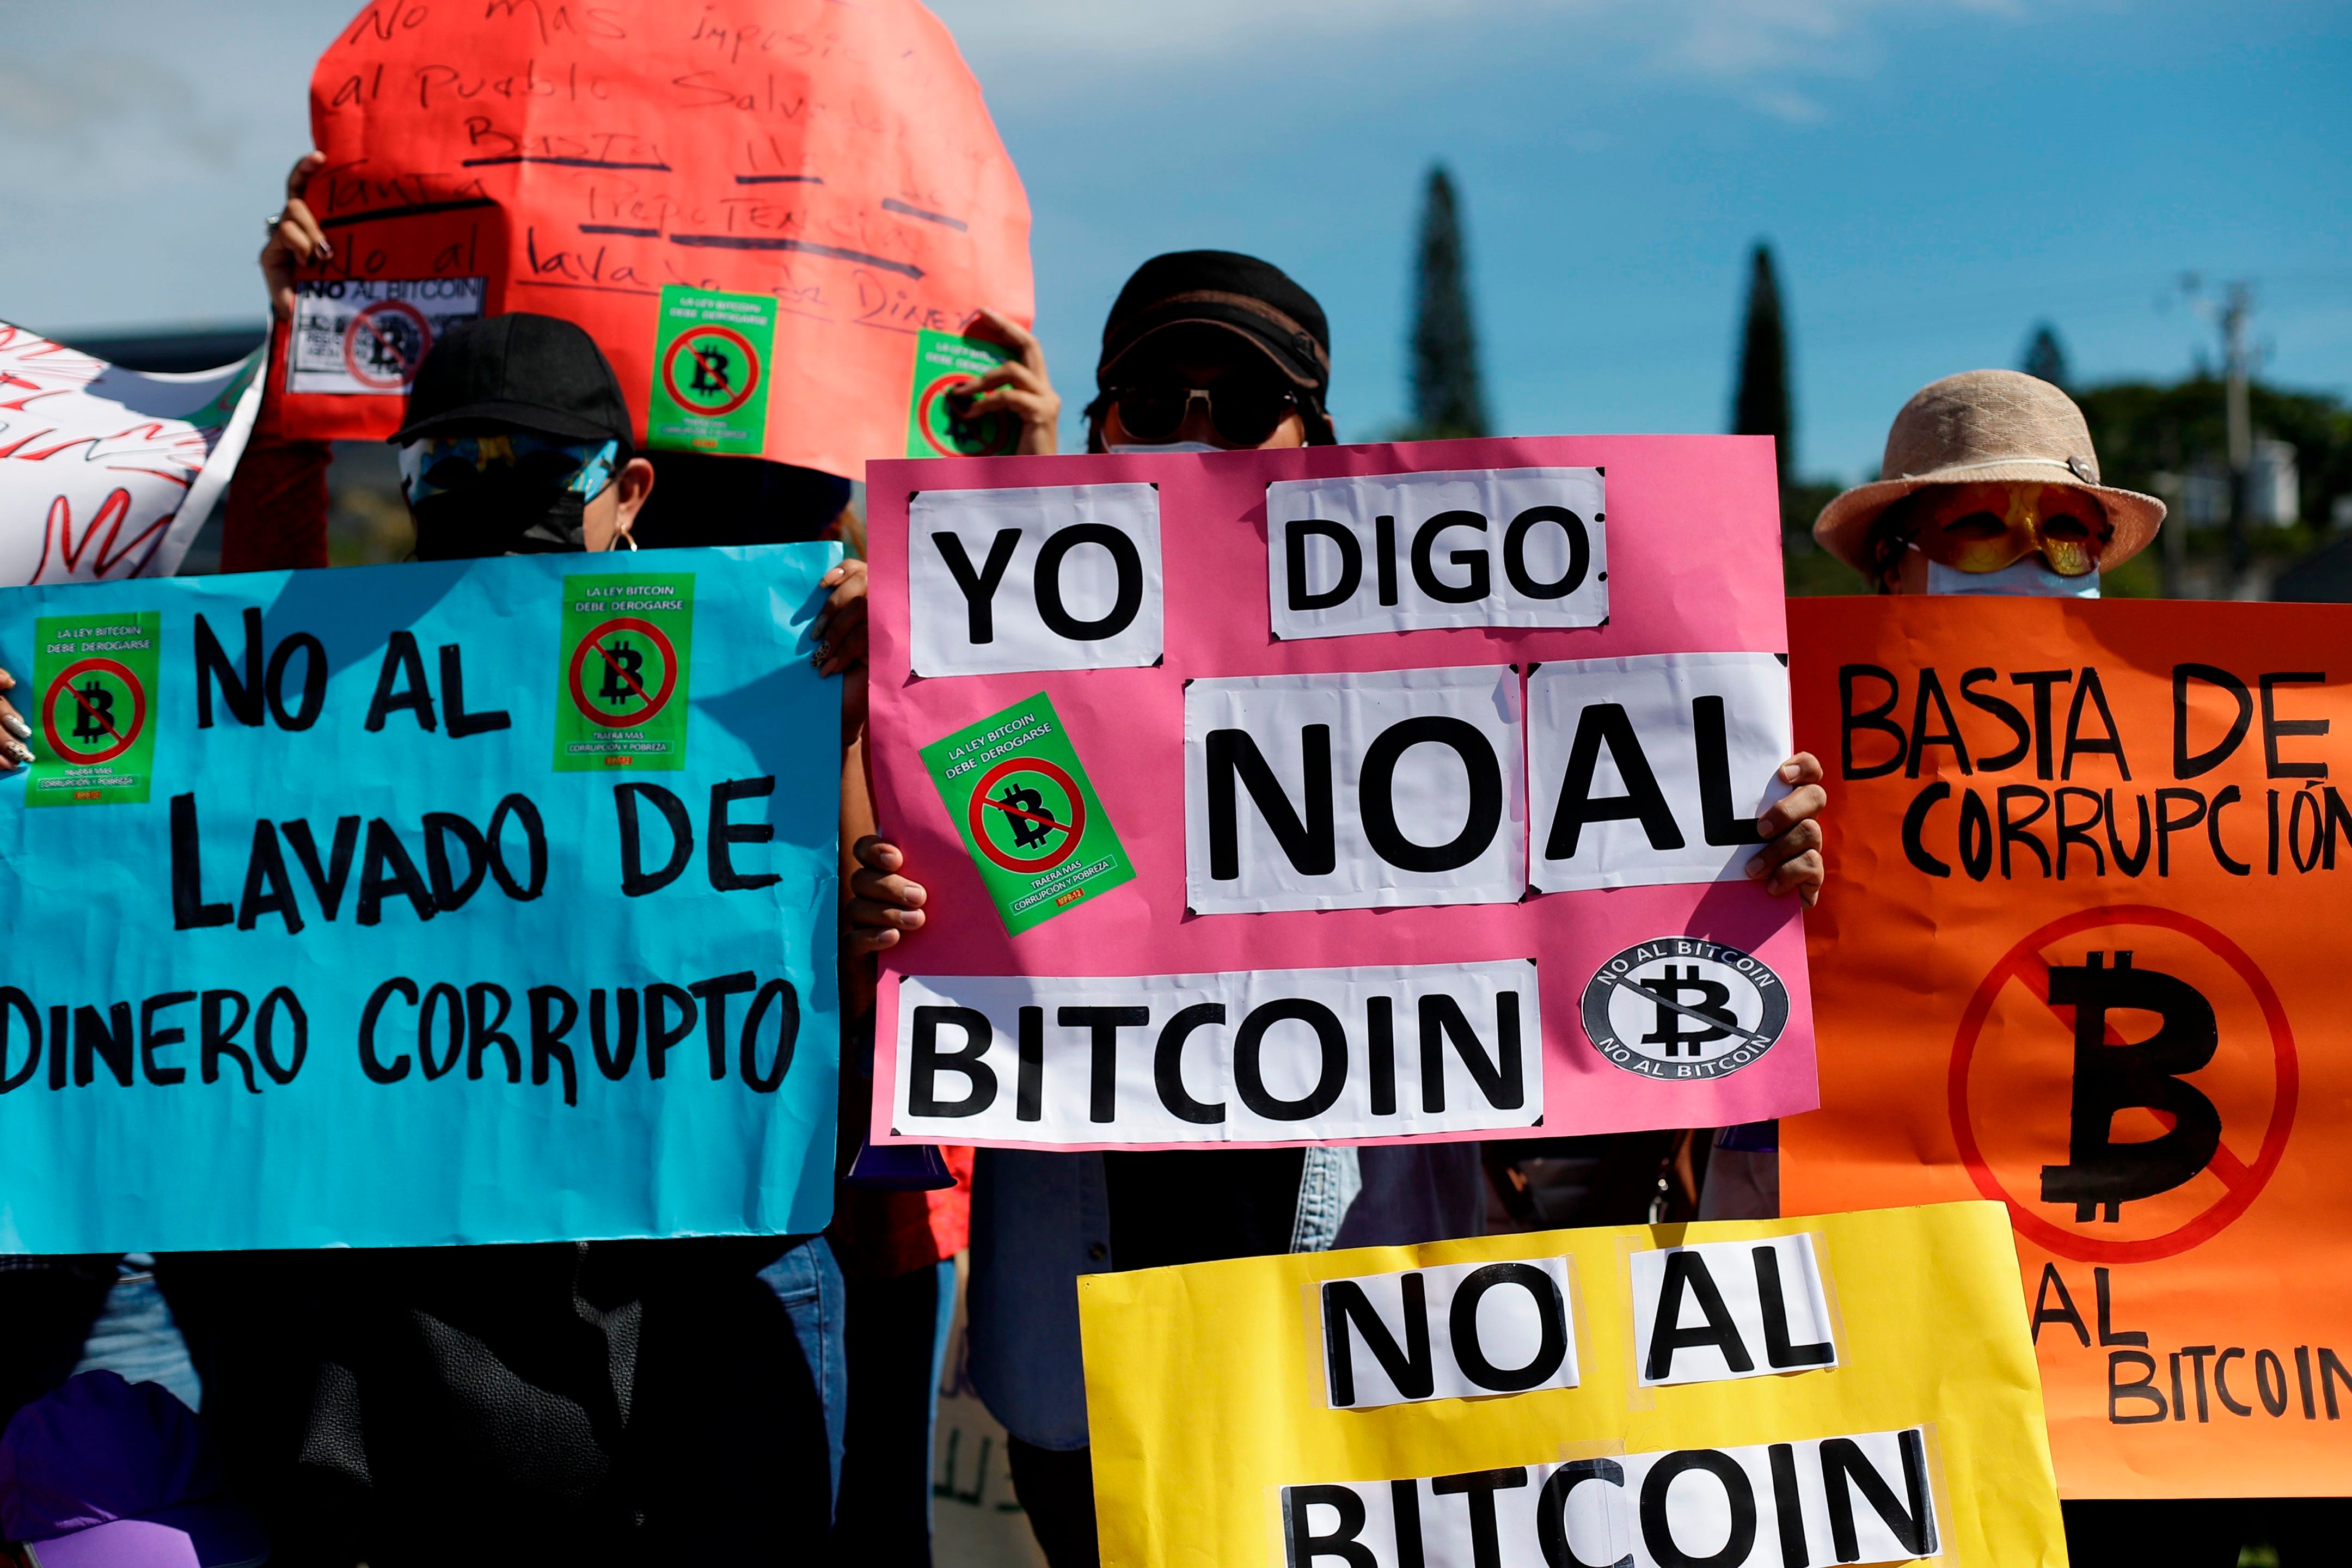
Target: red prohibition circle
[[123, 739], [2056, 1238], [708, 330], [594, 643], [1074, 830], [931, 393], [364, 321]]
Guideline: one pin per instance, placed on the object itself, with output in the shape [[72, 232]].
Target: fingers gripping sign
[[882, 906]]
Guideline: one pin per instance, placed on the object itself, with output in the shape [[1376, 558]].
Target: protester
[[1204, 350], [672, 1398], [1989, 485]]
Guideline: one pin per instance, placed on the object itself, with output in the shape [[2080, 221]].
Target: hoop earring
[[629, 538]]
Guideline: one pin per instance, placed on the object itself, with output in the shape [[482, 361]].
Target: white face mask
[[1147, 449], [2027, 578]]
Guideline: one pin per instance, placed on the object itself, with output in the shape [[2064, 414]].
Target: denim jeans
[[136, 1336], [68, 1315], [808, 1281]]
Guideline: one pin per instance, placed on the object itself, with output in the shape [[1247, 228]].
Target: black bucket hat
[[520, 372], [1254, 300]]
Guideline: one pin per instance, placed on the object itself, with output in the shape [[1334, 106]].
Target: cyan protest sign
[[410, 905]]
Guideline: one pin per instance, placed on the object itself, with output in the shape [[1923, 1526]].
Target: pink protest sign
[[1358, 795]]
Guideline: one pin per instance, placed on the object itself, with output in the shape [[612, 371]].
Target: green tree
[[2045, 356], [1447, 398], [1761, 406], [2142, 429]]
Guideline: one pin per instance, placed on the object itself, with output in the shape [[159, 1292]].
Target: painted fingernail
[[6, 680], [17, 726], [21, 752]]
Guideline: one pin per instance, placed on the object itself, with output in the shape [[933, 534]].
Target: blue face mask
[[513, 494], [442, 464], [2027, 578]]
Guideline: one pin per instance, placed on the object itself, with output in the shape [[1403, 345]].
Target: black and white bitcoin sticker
[[368, 335], [1682, 1007]]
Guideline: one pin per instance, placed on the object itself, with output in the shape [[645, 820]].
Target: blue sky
[[1935, 175]]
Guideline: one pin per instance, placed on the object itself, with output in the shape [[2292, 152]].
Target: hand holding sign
[[1792, 855], [14, 753], [295, 237]]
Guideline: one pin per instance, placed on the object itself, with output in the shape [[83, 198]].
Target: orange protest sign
[[2082, 952], [761, 208]]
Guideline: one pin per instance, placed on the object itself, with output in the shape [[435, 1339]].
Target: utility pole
[[2231, 314], [2237, 304]]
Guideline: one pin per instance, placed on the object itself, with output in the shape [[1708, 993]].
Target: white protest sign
[[1250, 1057], [1724, 1309], [1653, 768], [1866, 1498], [1464, 1330], [1400, 553], [106, 473], [369, 335], [1367, 790], [1060, 577]]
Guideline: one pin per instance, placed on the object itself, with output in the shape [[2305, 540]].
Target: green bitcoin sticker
[[1028, 815], [710, 371], [945, 366], [94, 685], [627, 649]]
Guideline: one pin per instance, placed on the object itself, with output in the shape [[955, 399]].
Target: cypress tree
[[1761, 406], [1447, 399], [2045, 356]]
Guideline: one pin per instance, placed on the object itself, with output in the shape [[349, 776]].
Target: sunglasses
[[439, 464], [1242, 412], [1986, 527]]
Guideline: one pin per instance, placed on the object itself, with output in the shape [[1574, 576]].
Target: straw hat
[[1979, 426]]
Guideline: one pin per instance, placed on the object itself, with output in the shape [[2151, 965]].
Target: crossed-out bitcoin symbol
[[92, 693], [624, 695], [1992, 1063], [722, 381], [1028, 822]]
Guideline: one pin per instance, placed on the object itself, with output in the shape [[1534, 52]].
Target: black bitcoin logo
[[621, 686], [1680, 994], [710, 368], [1032, 822], [1704, 1010], [2100, 1173], [93, 718]]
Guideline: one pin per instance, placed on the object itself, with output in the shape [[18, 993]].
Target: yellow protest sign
[[1774, 1393]]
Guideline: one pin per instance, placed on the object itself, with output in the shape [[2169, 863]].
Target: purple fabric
[[98, 1471], [125, 1543]]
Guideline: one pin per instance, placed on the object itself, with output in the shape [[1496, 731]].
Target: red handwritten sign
[[575, 160]]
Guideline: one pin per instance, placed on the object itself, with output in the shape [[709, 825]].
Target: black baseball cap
[[1254, 299], [517, 372]]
